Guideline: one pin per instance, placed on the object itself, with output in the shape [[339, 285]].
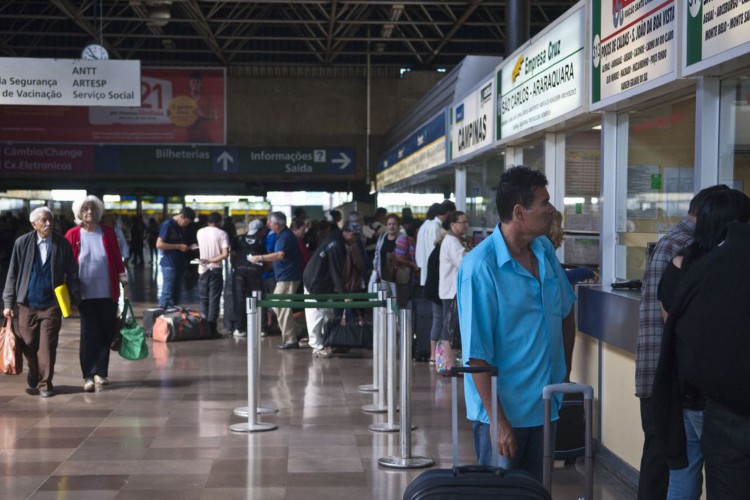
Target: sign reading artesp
[[69, 82]]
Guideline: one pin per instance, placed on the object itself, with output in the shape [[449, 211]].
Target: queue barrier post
[[406, 460], [379, 341], [375, 348], [253, 372], [389, 425]]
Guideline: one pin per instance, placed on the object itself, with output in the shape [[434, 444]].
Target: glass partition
[[734, 134]]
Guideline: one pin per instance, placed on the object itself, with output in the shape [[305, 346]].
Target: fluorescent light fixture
[[111, 198], [596, 127], [67, 194], [396, 10]]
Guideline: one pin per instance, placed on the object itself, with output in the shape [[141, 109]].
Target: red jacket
[[111, 248]]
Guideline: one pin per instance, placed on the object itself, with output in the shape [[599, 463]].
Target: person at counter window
[[678, 405], [654, 472], [556, 236], [516, 313]]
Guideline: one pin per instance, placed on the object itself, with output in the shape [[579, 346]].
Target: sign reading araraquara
[[633, 44], [715, 32], [69, 82], [544, 80]]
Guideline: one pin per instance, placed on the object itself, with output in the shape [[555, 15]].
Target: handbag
[[446, 357], [133, 344], [348, 334], [454, 326], [11, 357]]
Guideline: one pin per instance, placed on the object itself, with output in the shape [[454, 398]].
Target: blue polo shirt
[[171, 232], [514, 322], [290, 267]]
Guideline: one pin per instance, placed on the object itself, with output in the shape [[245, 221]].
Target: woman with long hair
[[101, 272], [452, 251]]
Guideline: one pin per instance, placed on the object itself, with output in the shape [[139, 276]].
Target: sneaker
[[46, 393], [321, 353], [238, 333], [88, 385], [290, 345], [101, 380]]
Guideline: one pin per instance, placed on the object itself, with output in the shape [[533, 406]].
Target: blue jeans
[[529, 448], [726, 446], [171, 286], [687, 483]]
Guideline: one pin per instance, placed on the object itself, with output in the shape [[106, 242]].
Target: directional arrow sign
[[342, 161], [224, 158]]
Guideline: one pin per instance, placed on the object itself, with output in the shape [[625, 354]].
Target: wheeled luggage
[[422, 315], [588, 398], [181, 325], [570, 437], [474, 481]]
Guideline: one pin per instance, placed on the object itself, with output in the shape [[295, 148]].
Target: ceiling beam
[[459, 23]]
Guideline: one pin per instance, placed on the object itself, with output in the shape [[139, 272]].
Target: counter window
[[734, 134]]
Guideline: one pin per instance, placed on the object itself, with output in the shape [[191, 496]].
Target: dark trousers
[[98, 327], [654, 477], [39, 331], [244, 282], [726, 449], [136, 253], [210, 285]]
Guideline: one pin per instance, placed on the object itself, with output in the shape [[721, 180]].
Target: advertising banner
[[69, 82], [544, 81], [472, 123], [715, 32], [177, 106], [422, 151], [633, 45]]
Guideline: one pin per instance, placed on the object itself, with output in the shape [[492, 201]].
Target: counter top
[[609, 315]]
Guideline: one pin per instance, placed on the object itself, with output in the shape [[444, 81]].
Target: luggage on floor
[[422, 314], [588, 398], [350, 334], [473, 481], [570, 437], [150, 315], [181, 325]]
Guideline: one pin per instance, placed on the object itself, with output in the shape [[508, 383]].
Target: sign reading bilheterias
[[69, 82]]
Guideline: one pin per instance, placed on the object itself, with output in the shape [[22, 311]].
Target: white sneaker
[[101, 380], [238, 333], [88, 385], [321, 353]]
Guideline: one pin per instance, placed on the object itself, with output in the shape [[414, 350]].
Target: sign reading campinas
[[69, 82]]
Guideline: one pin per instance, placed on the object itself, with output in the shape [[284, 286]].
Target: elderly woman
[[101, 273]]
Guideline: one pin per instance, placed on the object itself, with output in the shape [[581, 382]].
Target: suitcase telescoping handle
[[588, 398], [453, 373]]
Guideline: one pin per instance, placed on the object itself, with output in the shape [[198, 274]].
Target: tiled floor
[[161, 429]]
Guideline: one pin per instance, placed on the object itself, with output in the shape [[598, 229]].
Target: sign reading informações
[[543, 81], [633, 43], [472, 121], [712, 29], [69, 82]]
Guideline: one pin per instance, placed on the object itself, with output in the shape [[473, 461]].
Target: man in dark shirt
[[246, 277], [287, 268], [170, 242]]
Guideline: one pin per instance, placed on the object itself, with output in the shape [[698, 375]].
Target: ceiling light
[[396, 10]]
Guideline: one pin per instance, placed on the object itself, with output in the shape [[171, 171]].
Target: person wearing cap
[[213, 246], [287, 268], [170, 242], [246, 277]]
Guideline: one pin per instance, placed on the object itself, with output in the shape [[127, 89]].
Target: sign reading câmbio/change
[[715, 31], [69, 82]]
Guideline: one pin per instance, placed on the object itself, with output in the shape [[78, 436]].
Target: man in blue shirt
[[515, 308], [287, 268], [173, 250]]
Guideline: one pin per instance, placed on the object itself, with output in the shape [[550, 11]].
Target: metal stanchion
[[260, 410], [389, 425], [406, 461], [375, 346], [253, 373], [380, 338]]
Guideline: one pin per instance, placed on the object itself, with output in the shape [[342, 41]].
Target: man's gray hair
[[278, 218], [91, 200], [37, 213]]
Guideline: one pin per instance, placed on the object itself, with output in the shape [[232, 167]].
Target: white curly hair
[[90, 199]]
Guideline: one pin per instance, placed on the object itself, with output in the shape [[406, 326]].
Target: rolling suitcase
[[588, 398], [421, 346], [474, 482], [570, 438]]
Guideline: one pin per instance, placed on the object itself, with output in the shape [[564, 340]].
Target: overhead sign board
[[633, 47], [69, 82], [421, 151], [472, 121], [169, 160], [715, 32], [544, 80]]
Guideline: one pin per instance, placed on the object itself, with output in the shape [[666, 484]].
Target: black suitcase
[[474, 481], [570, 438], [422, 314]]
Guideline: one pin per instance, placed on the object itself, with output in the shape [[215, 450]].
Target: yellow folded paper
[[63, 299]]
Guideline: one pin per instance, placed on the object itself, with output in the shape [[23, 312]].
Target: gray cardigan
[[64, 269]]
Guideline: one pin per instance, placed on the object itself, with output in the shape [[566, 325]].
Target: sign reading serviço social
[[472, 121], [543, 81], [633, 44], [713, 28], [69, 82]]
